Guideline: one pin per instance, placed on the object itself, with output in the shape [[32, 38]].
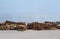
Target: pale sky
[[30, 10]]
